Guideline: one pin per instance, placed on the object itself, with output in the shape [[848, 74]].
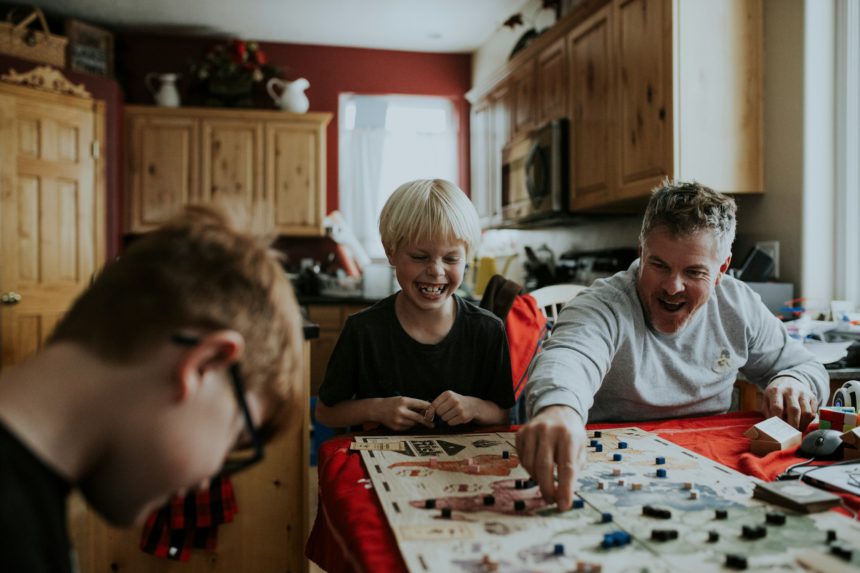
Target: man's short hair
[[196, 272], [685, 208], [427, 210]]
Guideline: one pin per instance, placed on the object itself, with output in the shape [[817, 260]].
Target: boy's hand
[[453, 408], [401, 413]]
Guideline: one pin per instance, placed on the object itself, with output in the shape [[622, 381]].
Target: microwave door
[[538, 177]]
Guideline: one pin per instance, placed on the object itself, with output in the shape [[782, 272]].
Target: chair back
[[550, 299]]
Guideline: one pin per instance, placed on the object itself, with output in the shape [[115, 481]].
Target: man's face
[[429, 273], [677, 276]]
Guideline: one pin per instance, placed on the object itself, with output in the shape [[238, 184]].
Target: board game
[[463, 503]]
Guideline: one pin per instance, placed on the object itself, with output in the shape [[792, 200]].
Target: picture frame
[[90, 49]]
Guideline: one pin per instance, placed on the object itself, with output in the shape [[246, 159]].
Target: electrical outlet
[[772, 249]]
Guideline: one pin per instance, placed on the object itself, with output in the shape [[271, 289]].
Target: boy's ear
[[389, 253], [216, 350]]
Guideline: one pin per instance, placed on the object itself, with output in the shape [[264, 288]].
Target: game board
[[463, 503]]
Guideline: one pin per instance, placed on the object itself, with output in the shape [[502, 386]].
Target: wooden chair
[[550, 299]]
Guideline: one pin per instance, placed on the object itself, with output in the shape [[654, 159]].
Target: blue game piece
[[598, 434], [661, 473], [558, 549], [578, 504], [616, 457], [661, 460], [598, 448], [622, 445], [593, 443], [605, 517], [506, 455]]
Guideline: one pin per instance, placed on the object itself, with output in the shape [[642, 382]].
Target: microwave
[[534, 174]]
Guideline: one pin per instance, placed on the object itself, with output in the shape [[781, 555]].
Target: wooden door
[[552, 80], [643, 41], [523, 82], [231, 162], [52, 211], [295, 177], [162, 166], [591, 141]]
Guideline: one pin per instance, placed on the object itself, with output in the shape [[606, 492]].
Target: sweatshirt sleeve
[[773, 353], [576, 358]]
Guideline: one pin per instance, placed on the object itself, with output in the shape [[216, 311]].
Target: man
[[172, 367], [666, 338]]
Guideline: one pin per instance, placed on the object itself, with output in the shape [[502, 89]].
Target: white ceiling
[[413, 25]]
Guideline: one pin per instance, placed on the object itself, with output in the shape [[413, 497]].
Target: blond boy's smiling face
[[429, 272]]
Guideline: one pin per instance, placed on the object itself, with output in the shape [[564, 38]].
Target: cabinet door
[[162, 168], [591, 142], [482, 141], [643, 39], [523, 83], [552, 79], [295, 181], [231, 160]]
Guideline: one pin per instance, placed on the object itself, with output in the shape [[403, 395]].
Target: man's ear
[[723, 269], [215, 350]]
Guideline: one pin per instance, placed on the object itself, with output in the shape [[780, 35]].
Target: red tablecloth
[[351, 533]]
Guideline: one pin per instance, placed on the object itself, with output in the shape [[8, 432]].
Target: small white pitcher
[[292, 97], [166, 94]]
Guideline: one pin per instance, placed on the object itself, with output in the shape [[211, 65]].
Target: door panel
[[49, 242]]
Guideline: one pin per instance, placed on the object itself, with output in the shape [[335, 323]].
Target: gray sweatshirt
[[604, 360]]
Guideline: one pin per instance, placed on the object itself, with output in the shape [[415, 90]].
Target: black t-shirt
[[33, 532], [375, 358]]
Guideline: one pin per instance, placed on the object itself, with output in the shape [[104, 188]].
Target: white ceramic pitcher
[[165, 93], [292, 97]]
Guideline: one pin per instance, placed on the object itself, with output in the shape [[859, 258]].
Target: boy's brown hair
[[196, 272]]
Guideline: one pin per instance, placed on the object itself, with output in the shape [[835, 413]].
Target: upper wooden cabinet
[[274, 161], [551, 76], [652, 88]]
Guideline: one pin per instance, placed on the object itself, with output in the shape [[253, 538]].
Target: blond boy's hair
[[427, 210], [196, 272]]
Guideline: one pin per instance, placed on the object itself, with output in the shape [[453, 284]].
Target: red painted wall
[[330, 71]]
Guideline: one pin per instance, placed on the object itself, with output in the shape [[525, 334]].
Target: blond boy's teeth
[[431, 289]]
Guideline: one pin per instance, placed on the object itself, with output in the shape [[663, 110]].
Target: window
[[386, 141], [848, 150]]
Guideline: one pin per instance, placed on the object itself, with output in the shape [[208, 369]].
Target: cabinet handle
[[10, 298]]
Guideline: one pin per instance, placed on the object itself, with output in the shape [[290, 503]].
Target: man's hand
[[401, 413], [453, 408], [791, 400], [553, 438]]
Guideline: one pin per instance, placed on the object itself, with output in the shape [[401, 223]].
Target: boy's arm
[[397, 413], [489, 413]]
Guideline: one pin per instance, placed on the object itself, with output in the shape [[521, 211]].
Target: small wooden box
[[19, 40]]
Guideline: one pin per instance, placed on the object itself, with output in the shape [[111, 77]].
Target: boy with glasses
[[174, 366]]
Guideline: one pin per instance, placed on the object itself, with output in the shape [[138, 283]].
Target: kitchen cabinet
[[272, 161], [523, 85], [591, 133], [330, 318], [652, 89], [552, 77]]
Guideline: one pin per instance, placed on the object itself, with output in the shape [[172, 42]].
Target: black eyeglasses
[[243, 456]]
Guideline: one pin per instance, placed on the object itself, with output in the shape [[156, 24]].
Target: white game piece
[[601, 484], [636, 486], [616, 471], [688, 485], [694, 494], [621, 481]]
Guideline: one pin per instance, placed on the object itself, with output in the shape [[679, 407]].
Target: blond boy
[[423, 354], [175, 365]]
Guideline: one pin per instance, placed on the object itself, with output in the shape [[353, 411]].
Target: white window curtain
[[384, 142], [848, 150]]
